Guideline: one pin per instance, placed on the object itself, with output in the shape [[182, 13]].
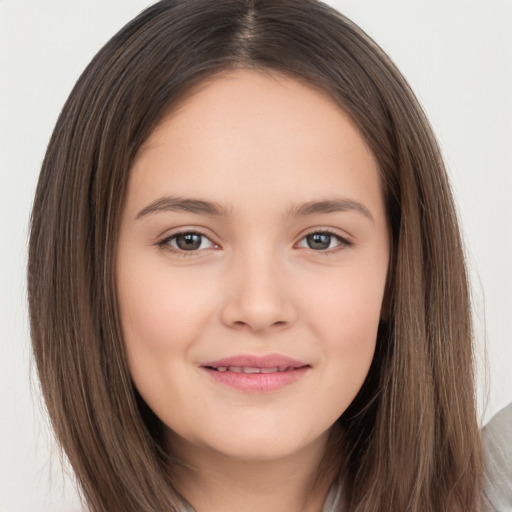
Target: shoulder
[[497, 445]]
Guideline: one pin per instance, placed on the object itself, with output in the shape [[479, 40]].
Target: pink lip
[[232, 372], [266, 361]]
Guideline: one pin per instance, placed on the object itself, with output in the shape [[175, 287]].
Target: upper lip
[[252, 361]]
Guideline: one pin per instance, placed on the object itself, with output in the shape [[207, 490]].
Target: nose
[[258, 296]]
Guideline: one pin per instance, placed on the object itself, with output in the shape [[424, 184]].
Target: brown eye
[[323, 241], [189, 242]]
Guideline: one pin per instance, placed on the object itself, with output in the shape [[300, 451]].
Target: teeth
[[252, 370], [269, 370], [248, 369]]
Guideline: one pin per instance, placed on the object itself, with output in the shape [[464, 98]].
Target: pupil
[[189, 241], [319, 241]]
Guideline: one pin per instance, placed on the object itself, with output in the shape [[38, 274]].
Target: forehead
[[271, 104], [244, 132]]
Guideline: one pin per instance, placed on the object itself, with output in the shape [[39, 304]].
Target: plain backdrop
[[457, 55]]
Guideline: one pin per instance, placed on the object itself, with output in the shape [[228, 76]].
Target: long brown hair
[[410, 438]]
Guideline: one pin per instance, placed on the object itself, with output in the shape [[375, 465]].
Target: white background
[[457, 55]]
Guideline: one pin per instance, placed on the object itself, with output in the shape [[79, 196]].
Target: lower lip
[[258, 382]]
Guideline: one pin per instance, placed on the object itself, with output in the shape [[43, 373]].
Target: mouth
[[251, 369], [260, 374]]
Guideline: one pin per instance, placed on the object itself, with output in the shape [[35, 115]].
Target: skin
[[259, 146]]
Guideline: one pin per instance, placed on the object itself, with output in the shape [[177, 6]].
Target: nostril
[[257, 314], [253, 326]]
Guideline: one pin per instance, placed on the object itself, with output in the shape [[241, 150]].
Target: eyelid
[[163, 242], [345, 240]]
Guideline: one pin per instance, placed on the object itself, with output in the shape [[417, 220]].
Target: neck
[[219, 483]]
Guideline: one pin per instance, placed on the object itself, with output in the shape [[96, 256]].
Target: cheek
[[159, 309], [347, 305], [163, 317], [346, 321]]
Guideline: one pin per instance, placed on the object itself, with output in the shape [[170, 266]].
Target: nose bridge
[[258, 297]]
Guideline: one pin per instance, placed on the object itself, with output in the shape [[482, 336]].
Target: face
[[251, 267]]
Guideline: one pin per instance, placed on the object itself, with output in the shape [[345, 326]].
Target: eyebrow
[[330, 206], [199, 206], [180, 204]]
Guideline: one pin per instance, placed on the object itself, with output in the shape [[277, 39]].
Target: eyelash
[[165, 243], [342, 242]]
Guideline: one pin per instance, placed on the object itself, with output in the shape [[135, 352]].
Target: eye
[[189, 241], [322, 241]]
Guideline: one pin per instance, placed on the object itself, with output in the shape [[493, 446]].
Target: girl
[[246, 281]]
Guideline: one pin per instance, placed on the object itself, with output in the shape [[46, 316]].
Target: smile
[[256, 374], [248, 369]]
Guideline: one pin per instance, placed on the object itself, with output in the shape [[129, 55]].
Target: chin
[[261, 446]]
